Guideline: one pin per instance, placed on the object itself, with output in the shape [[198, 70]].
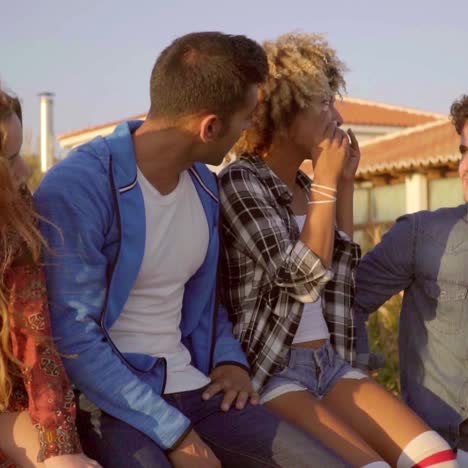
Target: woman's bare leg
[[305, 411], [383, 421], [19, 439]]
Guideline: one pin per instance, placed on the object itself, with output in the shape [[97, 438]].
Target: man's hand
[[193, 453], [235, 383]]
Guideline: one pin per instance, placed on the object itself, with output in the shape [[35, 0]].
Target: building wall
[[377, 207]]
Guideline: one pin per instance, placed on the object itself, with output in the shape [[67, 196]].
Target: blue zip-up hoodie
[[96, 230]]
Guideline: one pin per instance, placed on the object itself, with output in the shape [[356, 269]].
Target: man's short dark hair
[[205, 72], [459, 113]]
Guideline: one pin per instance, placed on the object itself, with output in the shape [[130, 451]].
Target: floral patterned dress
[[41, 385]]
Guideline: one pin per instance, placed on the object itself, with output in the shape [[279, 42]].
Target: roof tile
[[428, 144]]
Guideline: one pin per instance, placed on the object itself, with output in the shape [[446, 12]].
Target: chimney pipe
[[47, 142]]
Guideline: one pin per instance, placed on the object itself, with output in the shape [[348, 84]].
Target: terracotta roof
[[430, 144], [354, 111], [361, 112]]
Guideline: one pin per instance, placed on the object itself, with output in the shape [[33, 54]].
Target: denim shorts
[[308, 369]]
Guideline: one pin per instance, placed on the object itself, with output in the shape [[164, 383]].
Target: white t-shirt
[[312, 325], [176, 244]]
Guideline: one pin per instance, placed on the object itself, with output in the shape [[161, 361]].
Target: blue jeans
[[251, 438]]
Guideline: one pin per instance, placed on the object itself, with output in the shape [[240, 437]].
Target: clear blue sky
[[96, 55]]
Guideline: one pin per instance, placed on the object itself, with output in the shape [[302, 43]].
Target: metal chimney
[[47, 140]]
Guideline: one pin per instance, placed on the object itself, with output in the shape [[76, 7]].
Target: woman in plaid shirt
[[287, 272]]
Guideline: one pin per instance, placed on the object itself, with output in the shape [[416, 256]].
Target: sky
[[97, 55]]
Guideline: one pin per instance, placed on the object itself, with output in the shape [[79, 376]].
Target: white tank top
[[312, 325]]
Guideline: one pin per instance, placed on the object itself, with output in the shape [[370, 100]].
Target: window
[[388, 202], [445, 192]]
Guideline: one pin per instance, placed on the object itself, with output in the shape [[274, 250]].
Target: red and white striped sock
[[426, 450]]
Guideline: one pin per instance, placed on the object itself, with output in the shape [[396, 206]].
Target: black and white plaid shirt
[[267, 272]]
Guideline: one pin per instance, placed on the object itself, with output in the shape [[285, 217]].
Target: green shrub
[[383, 338], [383, 326]]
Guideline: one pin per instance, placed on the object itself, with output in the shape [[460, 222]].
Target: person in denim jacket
[[426, 255]]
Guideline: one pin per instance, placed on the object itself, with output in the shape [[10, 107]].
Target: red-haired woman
[[32, 378]]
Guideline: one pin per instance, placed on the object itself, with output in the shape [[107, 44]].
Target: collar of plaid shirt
[[277, 187], [266, 325]]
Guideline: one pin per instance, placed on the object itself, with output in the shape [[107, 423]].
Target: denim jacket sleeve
[[79, 215], [382, 273]]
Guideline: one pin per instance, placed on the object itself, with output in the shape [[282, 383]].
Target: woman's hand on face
[[334, 149], [352, 161], [79, 460]]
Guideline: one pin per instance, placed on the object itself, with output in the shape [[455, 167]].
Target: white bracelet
[[319, 202], [332, 189], [325, 194]]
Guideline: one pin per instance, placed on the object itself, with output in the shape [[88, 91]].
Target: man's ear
[[210, 128]]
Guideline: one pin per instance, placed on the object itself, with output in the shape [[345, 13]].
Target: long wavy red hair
[[18, 235]]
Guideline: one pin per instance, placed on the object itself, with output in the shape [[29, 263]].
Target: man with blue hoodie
[[132, 276]]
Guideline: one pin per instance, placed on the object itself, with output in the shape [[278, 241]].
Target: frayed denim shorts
[[308, 369]]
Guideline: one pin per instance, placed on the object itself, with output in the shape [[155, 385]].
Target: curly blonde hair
[[303, 69]]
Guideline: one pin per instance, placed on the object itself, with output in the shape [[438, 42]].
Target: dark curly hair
[[459, 113]]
